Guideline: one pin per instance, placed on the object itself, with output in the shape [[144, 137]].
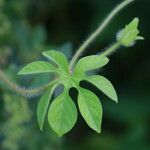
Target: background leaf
[[90, 108]]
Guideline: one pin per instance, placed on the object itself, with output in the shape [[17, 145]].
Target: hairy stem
[[36, 91], [98, 31], [19, 90], [111, 49]]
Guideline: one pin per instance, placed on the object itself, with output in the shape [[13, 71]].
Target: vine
[[62, 113]]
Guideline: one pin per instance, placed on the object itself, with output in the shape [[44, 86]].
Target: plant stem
[[19, 90], [36, 91], [111, 49], [97, 32]]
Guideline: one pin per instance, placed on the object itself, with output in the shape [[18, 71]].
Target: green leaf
[[90, 108], [59, 58], [89, 63], [129, 34], [62, 114], [43, 104], [37, 67], [104, 85]]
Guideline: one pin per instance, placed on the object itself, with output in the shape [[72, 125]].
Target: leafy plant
[[62, 113]]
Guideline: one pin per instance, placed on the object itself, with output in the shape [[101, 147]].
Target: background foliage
[[30, 27]]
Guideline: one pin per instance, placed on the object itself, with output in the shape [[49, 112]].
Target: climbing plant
[[62, 111]]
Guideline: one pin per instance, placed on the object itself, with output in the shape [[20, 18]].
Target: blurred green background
[[29, 27]]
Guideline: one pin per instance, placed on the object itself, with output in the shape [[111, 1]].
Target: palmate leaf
[[90, 108], [62, 114], [37, 67], [44, 103], [104, 85], [59, 58], [89, 63]]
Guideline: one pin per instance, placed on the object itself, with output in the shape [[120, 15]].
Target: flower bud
[[128, 36]]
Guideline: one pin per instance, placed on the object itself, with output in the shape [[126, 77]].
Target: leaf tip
[[41, 128], [60, 135], [99, 131], [40, 125], [106, 59], [116, 99], [19, 72], [46, 52], [43, 53], [135, 21]]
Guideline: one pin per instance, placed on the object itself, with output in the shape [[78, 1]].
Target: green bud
[[129, 34]]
